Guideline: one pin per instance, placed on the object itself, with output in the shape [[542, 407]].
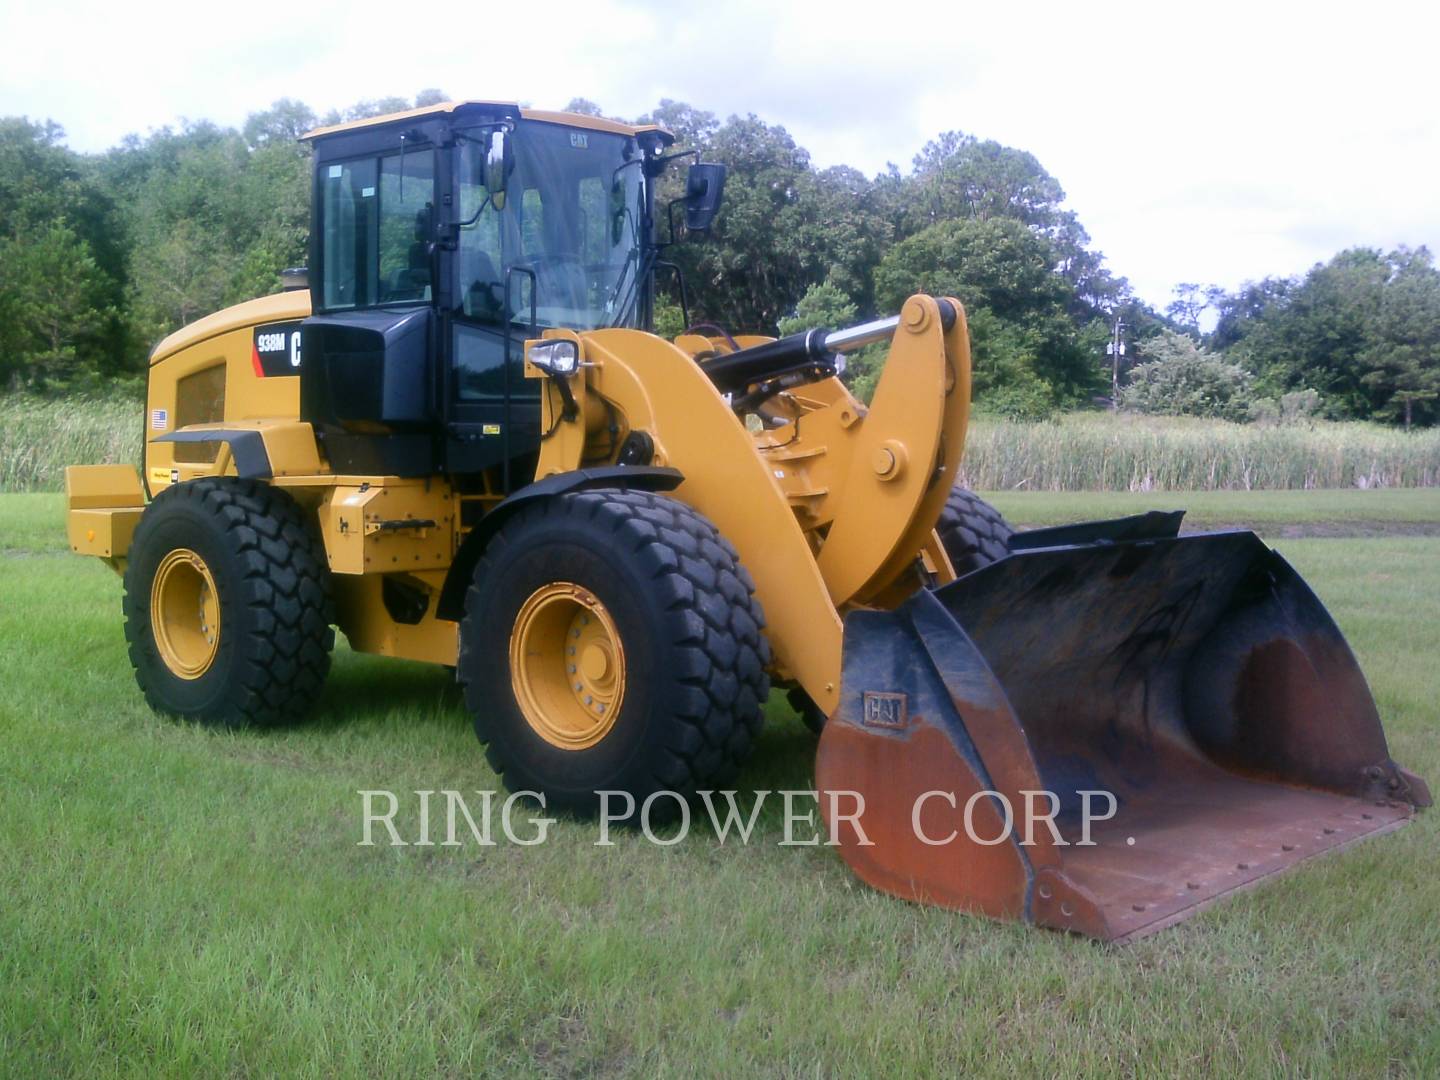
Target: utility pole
[[1116, 349]]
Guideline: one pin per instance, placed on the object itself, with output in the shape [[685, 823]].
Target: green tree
[[823, 306], [1403, 360], [1020, 327], [960, 176], [187, 223], [168, 227], [213, 215], [52, 308], [784, 226], [755, 263], [1362, 329], [693, 128], [283, 124], [62, 264], [1190, 303], [1179, 378], [363, 110], [1236, 312], [826, 306]]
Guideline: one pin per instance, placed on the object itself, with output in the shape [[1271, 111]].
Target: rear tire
[[654, 597], [227, 605], [973, 533]]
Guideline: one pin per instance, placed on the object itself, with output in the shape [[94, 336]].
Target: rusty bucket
[[1105, 732]]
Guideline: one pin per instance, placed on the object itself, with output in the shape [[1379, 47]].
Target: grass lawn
[[177, 901]]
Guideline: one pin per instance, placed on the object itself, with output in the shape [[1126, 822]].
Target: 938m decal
[[276, 350]]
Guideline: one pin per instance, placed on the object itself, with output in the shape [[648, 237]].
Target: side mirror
[[704, 188], [495, 169]]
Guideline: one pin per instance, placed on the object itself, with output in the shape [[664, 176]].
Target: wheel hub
[[567, 666], [185, 613]]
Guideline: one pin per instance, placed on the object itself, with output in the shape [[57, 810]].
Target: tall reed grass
[[1106, 452], [38, 438], [1078, 452]]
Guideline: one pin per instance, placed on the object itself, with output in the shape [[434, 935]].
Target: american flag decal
[[159, 419]]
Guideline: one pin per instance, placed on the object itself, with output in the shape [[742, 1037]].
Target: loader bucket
[[1195, 679]]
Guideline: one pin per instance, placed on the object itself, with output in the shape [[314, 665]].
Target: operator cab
[[441, 240]]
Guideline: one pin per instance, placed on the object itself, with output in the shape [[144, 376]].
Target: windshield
[[572, 216]]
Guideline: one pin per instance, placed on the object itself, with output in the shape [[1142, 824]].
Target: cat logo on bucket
[[885, 710]]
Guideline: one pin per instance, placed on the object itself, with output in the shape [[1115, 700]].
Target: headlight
[[555, 357]]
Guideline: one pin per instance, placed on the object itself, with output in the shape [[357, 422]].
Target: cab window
[[377, 223]]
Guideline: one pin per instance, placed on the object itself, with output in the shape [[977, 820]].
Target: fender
[[261, 449], [644, 478], [252, 460]]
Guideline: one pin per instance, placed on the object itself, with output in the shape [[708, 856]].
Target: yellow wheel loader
[[459, 442]]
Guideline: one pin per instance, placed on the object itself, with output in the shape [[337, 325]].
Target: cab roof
[[593, 123]]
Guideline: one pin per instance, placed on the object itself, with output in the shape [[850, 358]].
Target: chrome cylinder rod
[[857, 337]]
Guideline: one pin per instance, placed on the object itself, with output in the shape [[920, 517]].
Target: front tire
[[227, 605], [612, 642]]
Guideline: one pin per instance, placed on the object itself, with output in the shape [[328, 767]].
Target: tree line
[[103, 254]]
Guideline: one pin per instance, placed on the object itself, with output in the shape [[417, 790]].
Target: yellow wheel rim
[[567, 666], [185, 613]]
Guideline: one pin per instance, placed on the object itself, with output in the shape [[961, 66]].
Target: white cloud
[[1209, 143]]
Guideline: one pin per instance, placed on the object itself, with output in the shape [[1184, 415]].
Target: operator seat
[[482, 293], [413, 282]]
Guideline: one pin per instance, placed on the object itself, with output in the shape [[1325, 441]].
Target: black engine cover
[[367, 385]]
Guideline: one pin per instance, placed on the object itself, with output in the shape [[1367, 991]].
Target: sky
[[1198, 142]]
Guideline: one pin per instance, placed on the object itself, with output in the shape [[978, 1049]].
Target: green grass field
[[179, 902]]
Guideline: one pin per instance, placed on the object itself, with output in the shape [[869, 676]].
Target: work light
[[558, 358]]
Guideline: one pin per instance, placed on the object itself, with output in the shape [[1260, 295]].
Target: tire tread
[[284, 655], [712, 617]]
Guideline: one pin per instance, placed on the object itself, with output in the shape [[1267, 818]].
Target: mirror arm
[[680, 281], [670, 219], [656, 166]]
